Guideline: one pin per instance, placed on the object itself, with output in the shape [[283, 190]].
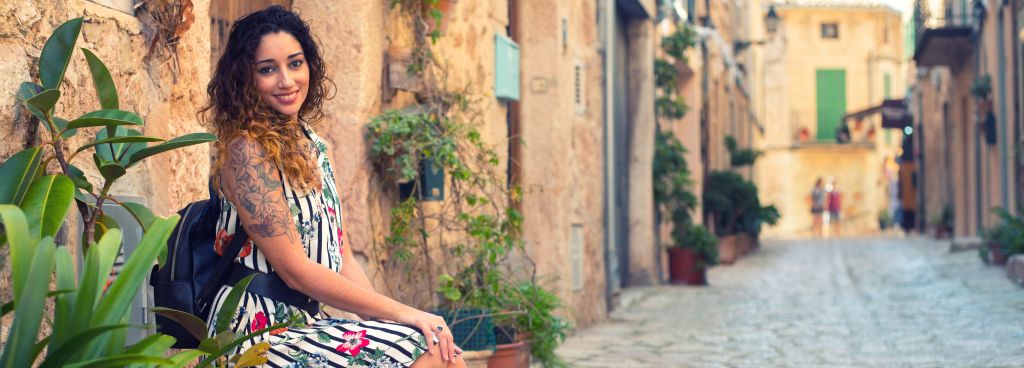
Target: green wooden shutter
[[831, 92]]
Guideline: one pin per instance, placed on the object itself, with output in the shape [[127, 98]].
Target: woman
[[277, 183], [817, 207]]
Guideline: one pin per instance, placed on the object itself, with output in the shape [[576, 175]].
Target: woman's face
[[281, 73]]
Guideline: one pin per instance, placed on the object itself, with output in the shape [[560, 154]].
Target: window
[[885, 33], [829, 30]]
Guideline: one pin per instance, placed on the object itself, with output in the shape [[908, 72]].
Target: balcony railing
[[945, 30]]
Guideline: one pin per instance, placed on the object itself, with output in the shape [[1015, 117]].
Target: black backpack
[[193, 272]]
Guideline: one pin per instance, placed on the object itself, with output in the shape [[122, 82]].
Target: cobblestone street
[[873, 302]]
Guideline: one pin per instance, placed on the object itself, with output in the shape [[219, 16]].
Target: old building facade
[[969, 153], [830, 59], [577, 137]]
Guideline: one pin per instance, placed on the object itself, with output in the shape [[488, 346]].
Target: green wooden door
[[831, 92]]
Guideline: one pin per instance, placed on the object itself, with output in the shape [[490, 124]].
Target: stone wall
[[165, 91]]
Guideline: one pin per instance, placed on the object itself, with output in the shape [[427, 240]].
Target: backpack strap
[[224, 266]]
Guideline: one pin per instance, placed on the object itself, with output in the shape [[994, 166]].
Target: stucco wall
[[164, 96]]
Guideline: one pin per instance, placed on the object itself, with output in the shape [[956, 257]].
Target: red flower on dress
[[279, 331], [246, 249], [354, 341], [222, 240], [259, 321]]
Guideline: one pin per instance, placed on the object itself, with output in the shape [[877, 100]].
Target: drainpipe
[[1003, 149], [610, 232]]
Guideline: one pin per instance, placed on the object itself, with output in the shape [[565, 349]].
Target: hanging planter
[[436, 15], [989, 127]]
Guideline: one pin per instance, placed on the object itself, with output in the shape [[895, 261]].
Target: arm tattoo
[[256, 191]]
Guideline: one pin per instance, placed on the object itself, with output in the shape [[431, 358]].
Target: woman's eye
[[266, 70], [296, 63]]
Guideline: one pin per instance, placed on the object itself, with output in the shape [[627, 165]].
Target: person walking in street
[[817, 207], [278, 186], [834, 207]]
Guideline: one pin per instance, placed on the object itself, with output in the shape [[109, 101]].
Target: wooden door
[[224, 12]]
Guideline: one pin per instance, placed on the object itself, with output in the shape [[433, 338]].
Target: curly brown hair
[[235, 109]]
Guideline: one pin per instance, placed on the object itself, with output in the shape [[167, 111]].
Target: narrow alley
[[869, 302]]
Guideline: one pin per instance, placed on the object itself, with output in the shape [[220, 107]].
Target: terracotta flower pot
[[745, 244], [514, 355], [996, 254], [443, 6], [727, 247], [684, 267]]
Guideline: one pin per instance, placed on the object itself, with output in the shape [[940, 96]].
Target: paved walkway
[[829, 303]]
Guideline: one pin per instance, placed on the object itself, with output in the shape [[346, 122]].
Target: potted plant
[[530, 328], [693, 251], [732, 203], [943, 223], [981, 88], [884, 219]]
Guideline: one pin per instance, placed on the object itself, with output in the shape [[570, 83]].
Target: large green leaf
[[99, 260], [230, 304], [109, 170], [105, 118], [179, 142], [59, 354], [140, 213], [9, 306], [17, 174], [56, 55], [121, 292], [120, 361], [25, 93], [22, 245], [78, 176], [65, 303], [212, 344], [119, 152], [184, 357], [152, 345], [62, 125], [105, 89], [193, 324], [29, 307], [45, 100], [122, 139], [47, 203], [235, 342]]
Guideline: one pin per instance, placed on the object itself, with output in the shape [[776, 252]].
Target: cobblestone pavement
[[873, 302]]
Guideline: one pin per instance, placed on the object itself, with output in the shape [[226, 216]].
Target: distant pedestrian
[[817, 206], [834, 207]]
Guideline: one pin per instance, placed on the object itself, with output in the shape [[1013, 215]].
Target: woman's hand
[[436, 332]]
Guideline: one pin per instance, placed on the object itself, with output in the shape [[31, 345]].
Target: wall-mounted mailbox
[[506, 68]]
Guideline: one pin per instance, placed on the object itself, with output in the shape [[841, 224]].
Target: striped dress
[[315, 341]]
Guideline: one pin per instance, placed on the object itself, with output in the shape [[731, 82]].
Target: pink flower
[[259, 321], [354, 341]]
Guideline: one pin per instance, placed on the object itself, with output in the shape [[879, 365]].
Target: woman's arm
[[254, 186]]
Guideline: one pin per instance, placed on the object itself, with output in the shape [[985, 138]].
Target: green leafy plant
[[672, 182], [676, 43], [1008, 235], [740, 157], [116, 148], [700, 240], [981, 87], [90, 317]]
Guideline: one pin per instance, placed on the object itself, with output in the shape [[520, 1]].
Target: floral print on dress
[[312, 340], [354, 342]]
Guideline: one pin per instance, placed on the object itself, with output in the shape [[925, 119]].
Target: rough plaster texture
[[562, 153], [164, 97]]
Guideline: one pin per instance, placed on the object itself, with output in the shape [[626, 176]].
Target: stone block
[[1015, 269]]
